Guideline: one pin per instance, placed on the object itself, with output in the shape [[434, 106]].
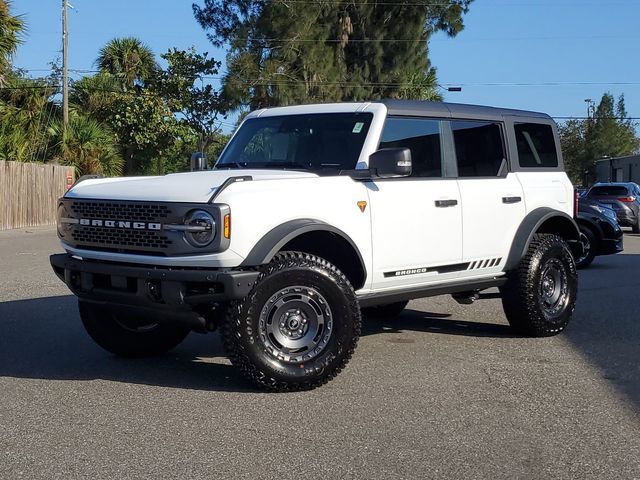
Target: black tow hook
[[154, 290]]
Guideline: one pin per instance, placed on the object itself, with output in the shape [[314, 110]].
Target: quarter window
[[479, 148], [422, 137], [536, 145]]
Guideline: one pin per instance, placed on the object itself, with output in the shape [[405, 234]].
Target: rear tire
[[129, 336], [540, 295], [390, 310], [635, 228], [589, 246], [297, 328]]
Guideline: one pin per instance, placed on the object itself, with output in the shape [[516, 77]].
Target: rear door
[[492, 198]]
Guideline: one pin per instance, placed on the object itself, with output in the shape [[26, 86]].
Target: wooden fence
[[29, 193]]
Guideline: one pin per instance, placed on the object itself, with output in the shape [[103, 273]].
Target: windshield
[[322, 141]]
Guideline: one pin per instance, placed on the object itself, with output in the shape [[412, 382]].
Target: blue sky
[[581, 47]]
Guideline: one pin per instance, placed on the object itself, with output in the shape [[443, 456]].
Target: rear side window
[[422, 137], [609, 190], [479, 148], [536, 145]]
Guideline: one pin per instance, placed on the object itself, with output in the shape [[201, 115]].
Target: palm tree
[[11, 28], [25, 111], [93, 95], [86, 145], [128, 59]]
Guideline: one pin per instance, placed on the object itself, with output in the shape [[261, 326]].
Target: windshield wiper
[[230, 165], [292, 165]]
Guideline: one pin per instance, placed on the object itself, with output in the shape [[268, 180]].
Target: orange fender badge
[[362, 205]]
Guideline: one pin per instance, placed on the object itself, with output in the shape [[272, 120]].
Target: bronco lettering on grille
[[120, 224]]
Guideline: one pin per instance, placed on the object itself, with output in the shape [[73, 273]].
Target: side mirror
[[390, 163]]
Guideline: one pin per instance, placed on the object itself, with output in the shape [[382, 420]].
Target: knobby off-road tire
[[589, 246], [297, 328], [540, 295], [390, 310], [129, 336]]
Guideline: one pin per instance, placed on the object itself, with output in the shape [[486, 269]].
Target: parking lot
[[444, 391]]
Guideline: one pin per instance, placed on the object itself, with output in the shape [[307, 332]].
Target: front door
[[416, 221]]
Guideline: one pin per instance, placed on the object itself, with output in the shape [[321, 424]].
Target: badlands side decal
[[457, 267]]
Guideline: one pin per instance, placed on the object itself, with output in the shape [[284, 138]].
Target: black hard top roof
[[455, 110]]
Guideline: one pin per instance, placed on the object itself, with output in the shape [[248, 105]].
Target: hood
[[193, 187]]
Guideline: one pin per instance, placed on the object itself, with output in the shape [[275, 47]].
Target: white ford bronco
[[314, 214]]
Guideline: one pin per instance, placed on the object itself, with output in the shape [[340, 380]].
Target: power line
[[347, 83]]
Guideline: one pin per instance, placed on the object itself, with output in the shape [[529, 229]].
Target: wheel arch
[[542, 220], [315, 237]]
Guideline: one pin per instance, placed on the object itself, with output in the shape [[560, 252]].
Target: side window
[[536, 145], [479, 148], [422, 137]]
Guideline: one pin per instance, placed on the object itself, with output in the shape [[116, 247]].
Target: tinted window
[[479, 149], [536, 145], [309, 142], [422, 137], [607, 190]]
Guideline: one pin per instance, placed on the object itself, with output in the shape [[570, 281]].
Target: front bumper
[[609, 246], [169, 292]]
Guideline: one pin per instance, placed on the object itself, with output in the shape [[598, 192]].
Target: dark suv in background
[[623, 198]]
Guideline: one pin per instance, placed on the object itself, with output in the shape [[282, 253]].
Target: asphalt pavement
[[443, 391]]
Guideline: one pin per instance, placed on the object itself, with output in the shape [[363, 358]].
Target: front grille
[[120, 238], [125, 240], [142, 212]]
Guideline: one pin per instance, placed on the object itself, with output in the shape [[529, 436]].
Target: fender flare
[[528, 228], [273, 241]]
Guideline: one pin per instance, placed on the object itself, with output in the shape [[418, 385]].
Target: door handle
[[446, 203], [511, 199]]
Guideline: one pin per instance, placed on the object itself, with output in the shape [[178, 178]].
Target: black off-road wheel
[[540, 295], [127, 335], [297, 328], [589, 247], [390, 310]]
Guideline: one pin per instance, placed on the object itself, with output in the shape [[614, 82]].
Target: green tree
[[86, 145], [609, 132], [11, 29], [26, 108], [129, 60], [291, 52], [190, 97]]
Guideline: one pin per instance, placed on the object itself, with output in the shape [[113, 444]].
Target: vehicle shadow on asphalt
[[605, 328], [418, 321], [43, 338]]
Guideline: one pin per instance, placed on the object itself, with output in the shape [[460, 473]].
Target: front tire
[[540, 295], [129, 336], [298, 327]]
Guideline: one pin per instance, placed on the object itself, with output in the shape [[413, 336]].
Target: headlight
[[63, 221], [200, 228]]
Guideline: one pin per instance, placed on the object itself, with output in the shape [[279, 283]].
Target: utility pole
[[65, 67]]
